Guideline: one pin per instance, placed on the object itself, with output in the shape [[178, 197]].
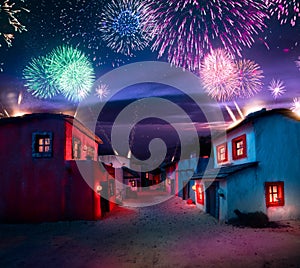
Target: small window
[[90, 153], [222, 154], [42, 143], [239, 147], [200, 194], [76, 150], [274, 194]]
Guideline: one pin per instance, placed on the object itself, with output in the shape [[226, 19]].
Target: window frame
[[218, 147], [279, 192], [234, 142], [78, 142], [36, 136]]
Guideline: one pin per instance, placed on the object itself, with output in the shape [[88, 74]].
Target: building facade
[[44, 156], [256, 168]]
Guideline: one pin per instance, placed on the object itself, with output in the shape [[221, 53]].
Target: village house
[[256, 168], [42, 159]]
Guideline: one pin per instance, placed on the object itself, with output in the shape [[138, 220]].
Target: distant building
[[257, 168], [40, 178]]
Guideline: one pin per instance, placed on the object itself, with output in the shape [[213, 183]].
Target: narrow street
[[169, 234]]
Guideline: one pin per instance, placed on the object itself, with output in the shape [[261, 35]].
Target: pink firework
[[219, 75], [277, 88], [249, 78], [285, 10], [188, 29]]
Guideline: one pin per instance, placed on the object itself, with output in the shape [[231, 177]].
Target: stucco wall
[[278, 152], [250, 139], [30, 187], [243, 191]]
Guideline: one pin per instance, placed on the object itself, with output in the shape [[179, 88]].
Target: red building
[[49, 170]]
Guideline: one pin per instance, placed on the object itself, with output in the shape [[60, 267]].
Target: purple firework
[[186, 29], [285, 10]]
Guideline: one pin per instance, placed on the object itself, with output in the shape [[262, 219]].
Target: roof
[[222, 172], [264, 113], [68, 118]]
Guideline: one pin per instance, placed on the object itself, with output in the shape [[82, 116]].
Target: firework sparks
[[72, 71], [10, 11], [39, 78], [249, 77], [102, 91], [298, 62], [285, 10], [277, 88], [219, 75], [189, 29], [296, 106], [126, 26]]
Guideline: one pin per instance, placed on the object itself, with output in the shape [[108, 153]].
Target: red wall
[[30, 187], [44, 189]]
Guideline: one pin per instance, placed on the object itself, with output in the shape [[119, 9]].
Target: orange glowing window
[[274, 194], [42, 144], [222, 155], [239, 147], [200, 194]]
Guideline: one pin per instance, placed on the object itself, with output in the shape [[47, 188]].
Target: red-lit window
[[274, 194], [200, 194], [239, 147], [222, 154], [42, 144]]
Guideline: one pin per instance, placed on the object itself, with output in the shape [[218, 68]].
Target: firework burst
[[39, 79], [126, 26], [285, 10], [9, 12], [296, 106], [189, 29], [219, 75], [277, 88], [249, 78], [72, 71], [298, 62], [102, 91]]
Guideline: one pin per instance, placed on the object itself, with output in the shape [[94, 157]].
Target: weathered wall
[[31, 188], [278, 153], [250, 139]]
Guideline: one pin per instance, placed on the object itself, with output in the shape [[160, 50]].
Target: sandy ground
[[169, 234]]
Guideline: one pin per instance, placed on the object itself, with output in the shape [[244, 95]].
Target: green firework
[[72, 72], [39, 79]]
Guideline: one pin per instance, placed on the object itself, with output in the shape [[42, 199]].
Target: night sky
[[53, 23]]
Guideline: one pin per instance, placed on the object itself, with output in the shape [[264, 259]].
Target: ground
[[169, 234]]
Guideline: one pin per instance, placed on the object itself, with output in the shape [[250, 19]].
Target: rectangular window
[[239, 147], [222, 154], [200, 194], [274, 192], [76, 150], [90, 153], [42, 143]]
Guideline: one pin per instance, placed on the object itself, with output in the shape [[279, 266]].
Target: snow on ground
[[169, 234]]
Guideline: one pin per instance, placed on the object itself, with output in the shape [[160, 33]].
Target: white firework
[[296, 106], [102, 91], [277, 88]]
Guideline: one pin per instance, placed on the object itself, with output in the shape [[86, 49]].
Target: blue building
[[256, 168]]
